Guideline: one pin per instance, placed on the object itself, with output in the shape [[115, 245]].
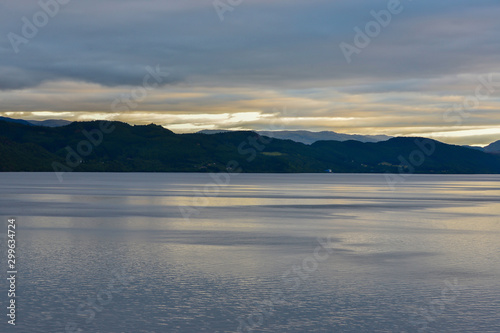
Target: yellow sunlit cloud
[[192, 108]]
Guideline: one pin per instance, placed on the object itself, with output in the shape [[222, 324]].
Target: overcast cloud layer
[[266, 62]]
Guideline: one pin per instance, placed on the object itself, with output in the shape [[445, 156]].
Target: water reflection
[[390, 252]]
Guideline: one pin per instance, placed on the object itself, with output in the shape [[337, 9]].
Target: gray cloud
[[286, 43]]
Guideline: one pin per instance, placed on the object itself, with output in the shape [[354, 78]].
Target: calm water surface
[[265, 252]]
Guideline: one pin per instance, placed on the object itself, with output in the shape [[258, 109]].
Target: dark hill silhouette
[[152, 148]]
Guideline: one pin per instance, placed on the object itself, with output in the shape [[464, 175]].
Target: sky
[[402, 68]]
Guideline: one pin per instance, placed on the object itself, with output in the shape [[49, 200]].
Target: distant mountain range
[[309, 137], [493, 148], [46, 123], [83, 146]]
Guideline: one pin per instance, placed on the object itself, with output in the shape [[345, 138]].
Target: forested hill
[[120, 147]]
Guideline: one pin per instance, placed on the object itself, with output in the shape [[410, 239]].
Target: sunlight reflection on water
[[392, 252]]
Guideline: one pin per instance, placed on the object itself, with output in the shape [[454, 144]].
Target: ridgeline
[[119, 147]]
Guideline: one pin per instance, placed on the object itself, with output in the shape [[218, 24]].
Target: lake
[[179, 252]]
